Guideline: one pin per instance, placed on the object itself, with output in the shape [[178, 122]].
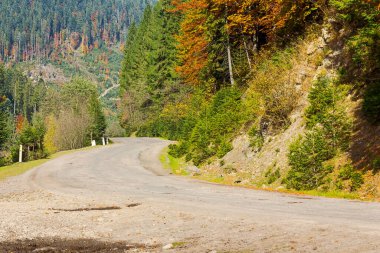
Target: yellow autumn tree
[[49, 140]]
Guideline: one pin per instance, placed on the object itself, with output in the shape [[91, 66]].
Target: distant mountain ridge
[[35, 29], [55, 40]]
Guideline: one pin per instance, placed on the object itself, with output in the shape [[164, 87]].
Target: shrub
[[15, 152], [214, 128], [348, 173], [321, 98], [376, 164], [178, 150], [272, 176], [328, 132], [256, 139], [4, 129], [363, 44], [229, 169], [356, 181], [371, 105], [327, 109], [271, 86], [306, 157], [224, 148]]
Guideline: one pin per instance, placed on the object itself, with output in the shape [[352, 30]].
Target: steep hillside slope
[[266, 164], [284, 94], [100, 66]]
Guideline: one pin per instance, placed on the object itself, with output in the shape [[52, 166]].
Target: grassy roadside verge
[[20, 168], [177, 166]]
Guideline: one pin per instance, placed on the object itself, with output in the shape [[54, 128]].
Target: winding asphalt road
[[130, 169]]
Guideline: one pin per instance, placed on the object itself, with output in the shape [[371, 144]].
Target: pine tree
[[4, 129], [148, 67]]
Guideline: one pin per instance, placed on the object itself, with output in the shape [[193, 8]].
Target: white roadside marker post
[[103, 141], [20, 155], [93, 143]]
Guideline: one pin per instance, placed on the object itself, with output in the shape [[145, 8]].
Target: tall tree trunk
[[247, 53], [230, 63], [232, 80]]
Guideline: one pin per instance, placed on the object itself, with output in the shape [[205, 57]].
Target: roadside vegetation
[[177, 166], [204, 73], [46, 119]]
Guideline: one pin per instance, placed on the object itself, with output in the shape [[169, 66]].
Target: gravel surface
[[116, 195]]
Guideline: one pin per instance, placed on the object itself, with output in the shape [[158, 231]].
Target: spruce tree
[[4, 130]]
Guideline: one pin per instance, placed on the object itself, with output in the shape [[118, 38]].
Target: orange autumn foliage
[[192, 39], [20, 121], [244, 18]]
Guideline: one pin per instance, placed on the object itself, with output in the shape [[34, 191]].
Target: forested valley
[[270, 94], [59, 73], [41, 29]]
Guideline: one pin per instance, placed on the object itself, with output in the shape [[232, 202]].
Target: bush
[[306, 157], [15, 153], [271, 86], [356, 181], [272, 176], [178, 150], [256, 139], [229, 169], [362, 18], [371, 105], [4, 129], [328, 132], [328, 110], [348, 173], [376, 164], [321, 99], [224, 148], [2, 161], [213, 130]]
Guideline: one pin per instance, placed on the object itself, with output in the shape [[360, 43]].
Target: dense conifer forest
[[39, 28]]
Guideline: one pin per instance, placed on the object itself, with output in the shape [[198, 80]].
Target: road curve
[[204, 216]]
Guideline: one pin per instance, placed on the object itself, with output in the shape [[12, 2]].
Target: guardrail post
[[20, 155]]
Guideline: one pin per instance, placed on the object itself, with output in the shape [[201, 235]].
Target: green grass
[[178, 244], [20, 168], [175, 165], [213, 179], [333, 194]]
